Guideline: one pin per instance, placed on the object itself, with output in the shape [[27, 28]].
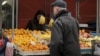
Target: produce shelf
[[27, 53], [86, 50]]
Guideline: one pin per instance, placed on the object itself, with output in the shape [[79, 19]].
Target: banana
[[51, 22]]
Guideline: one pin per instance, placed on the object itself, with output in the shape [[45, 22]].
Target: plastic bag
[[96, 48], [9, 49]]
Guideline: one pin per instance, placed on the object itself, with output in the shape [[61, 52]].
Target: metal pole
[[50, 8], [0, 17], [77, 9], [99, 20], [45, 7], [13, 18], [98, 16], [16, 13]]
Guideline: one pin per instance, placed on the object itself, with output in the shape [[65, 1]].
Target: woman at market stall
[[35, 24]]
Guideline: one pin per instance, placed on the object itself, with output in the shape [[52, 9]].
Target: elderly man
[[64, 37]]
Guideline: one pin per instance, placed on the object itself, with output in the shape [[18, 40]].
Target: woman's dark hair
[[39, 12]]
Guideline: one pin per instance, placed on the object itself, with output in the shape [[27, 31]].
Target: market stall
[[87, 36], [32, 42], [25, 42], [28, 42]]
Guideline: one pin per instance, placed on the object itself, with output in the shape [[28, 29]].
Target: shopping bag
[[96, 48], [9, 49]]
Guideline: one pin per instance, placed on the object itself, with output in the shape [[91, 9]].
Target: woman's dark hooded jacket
[[34, 23]]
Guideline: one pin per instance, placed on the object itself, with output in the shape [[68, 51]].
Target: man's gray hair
[[60, 8]]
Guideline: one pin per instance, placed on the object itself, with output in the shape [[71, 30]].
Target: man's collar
[[61, 13]]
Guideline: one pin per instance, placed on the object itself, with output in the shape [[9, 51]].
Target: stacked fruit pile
[[85, 39], [85, 42], [96, 38], [46, 35], [42, 36], [25, 41]]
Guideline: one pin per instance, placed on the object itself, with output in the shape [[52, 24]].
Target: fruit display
[[85, 42], [25, 41], [46, 35], [85, 34], [42, 36], [96, 38], [85, 39]]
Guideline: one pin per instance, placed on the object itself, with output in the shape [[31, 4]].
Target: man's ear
[[57, 9]]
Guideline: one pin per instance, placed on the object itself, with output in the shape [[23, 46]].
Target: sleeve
[[56, 39], [70, 41]]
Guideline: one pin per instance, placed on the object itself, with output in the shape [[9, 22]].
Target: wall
[[87, 11], [27, 9]]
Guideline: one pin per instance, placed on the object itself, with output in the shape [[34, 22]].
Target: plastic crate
[[94, 33], [86, 51]]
